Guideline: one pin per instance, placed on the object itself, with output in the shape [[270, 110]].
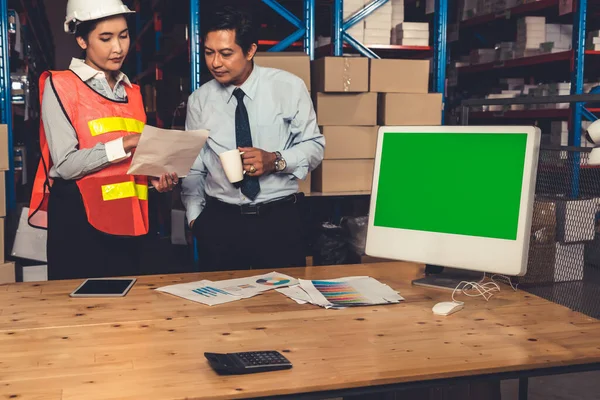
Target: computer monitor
[[454, 196]]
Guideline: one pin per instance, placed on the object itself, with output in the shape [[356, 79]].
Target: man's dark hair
[[229, 18]]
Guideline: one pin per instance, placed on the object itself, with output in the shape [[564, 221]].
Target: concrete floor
[[583, 386]]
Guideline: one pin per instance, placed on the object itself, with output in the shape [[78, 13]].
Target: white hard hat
[[593, 133], [79, 11]]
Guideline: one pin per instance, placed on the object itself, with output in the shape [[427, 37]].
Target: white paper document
[[219, 292], [343, 292], [162, 151]]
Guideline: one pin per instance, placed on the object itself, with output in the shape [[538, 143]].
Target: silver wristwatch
[[280, 163]]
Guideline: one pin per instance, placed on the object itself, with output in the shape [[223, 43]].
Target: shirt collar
[[249, 87], [86, 73]]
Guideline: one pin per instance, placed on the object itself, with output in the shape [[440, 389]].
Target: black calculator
[[247, 362]]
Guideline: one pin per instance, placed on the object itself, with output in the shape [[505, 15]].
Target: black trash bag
[[330, 248], [355, 232]]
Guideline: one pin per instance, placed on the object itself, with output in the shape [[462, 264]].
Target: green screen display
[[456, 183]]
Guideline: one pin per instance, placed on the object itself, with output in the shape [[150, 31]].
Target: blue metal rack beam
[[440, 55], [309, 26], [306, 31], [340, 27], [579, 23], [6, 105], [195, 45]]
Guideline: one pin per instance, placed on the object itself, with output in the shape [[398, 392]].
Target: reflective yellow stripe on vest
[[124, 190], [115, 124]]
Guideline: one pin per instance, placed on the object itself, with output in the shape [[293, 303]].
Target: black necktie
[[250, 185]]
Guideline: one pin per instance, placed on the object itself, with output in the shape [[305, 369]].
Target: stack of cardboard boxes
[[7, 270], [353, 96], [404, 98], [347, 116]]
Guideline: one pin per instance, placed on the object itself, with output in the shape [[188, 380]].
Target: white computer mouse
[[447, 307]]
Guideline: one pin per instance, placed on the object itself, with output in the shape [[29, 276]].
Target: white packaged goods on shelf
[[566, 29], [527, 53], [413, 42], [553, 28], [532, 20], [513, 93], [397, 11], [482, 56], [350, 8], [413, 35], [413, 26]]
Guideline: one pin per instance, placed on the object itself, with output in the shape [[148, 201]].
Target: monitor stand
[[445, 278]]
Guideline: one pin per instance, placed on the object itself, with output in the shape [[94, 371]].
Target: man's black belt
[[254, 209]]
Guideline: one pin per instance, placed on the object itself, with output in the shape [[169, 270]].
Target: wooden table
[[150, 345]]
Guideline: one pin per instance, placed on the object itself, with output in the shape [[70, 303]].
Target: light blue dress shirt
[[282, 118]]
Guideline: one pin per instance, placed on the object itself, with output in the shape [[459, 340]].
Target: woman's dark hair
[[85, 28], [228, 18]]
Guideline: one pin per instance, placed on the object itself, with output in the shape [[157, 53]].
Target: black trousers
[[75, 249], [231, 240]]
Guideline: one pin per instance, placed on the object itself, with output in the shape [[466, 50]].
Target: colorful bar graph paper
[[340, 293]]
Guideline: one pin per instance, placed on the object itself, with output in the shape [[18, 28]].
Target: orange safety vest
[[115, 202]]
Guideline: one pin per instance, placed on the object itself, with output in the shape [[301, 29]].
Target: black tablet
[[104, 287]]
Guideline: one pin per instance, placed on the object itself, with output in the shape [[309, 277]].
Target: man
[[268, 115]]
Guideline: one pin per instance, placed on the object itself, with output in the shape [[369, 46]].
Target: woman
[[92, 117]]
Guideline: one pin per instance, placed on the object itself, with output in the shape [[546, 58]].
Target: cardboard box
[[350, 142], [304, 186], [399, 76], [335, 176], [341, 74], [294, 63], [354, 109], [3, 148], [7, 273], [410, 109]]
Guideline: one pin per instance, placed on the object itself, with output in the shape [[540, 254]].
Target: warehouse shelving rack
[[573, 63], [339, 36], [38, 56], [305, 31]]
